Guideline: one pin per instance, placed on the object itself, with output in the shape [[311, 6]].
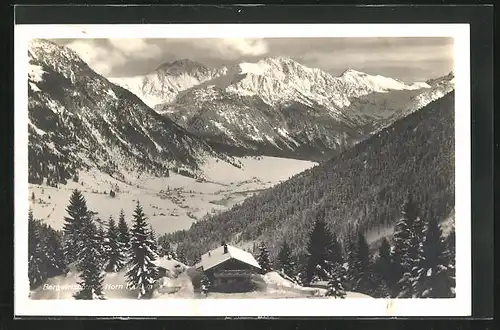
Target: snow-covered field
[[177, 285], [172, 203]]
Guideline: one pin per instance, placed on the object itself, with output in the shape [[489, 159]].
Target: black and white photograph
[[210, 167]]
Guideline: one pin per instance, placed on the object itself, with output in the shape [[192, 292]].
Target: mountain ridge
[[355, 103], [278, 107]]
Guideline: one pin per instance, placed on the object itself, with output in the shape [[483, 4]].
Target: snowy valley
[[171, 203]]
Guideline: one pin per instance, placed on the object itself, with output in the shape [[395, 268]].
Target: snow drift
[[175, 283]]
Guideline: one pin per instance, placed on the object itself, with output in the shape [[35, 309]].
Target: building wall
[[236, 283], [232, 264]]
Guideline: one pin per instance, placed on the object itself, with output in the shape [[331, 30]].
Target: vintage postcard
[[242, 170]]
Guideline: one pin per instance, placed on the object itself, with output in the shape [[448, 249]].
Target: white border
[[460, 306]]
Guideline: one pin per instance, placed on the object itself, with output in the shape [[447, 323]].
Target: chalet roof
[[217, 256], [169, 264]]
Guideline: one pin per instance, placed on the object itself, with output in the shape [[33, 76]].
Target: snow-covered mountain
[[281, 79], [381, 109], [281, 107], [162, 85], [80, 120]]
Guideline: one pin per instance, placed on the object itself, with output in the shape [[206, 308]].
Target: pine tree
[[450, 257], [143, 273], [53, 252], [335, 250], [383, 269], [45, 252], [318, 249], [285, 260], [352, 271], [433, 279], [152, 236], [116, 257], [101, 232], [263, 259], [450, 244], [164, 249], [180, 255], [36, 272], [403, 235], [419, 229], [90, 263], [337, 276], [77, 215], [102, 238], [383, 261], [415, 251], [405, 253], [382, 289], [405, 286], [365, 283], [124, 236]]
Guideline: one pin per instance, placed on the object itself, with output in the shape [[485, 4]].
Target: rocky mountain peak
[[442, 79], [62, 58], [182, 66], [281, 60], [352, 72]]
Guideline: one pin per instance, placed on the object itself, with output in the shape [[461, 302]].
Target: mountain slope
[[249, 123], [365, 185], [79, 120], [279, 107]]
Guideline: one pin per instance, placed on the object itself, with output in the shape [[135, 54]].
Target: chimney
[[209, 253], [225, 248]]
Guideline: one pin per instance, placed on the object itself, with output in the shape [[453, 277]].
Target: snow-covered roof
[[217, 256], [166, 263]]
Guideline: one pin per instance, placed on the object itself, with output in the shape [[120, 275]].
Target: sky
[[409, 59]]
